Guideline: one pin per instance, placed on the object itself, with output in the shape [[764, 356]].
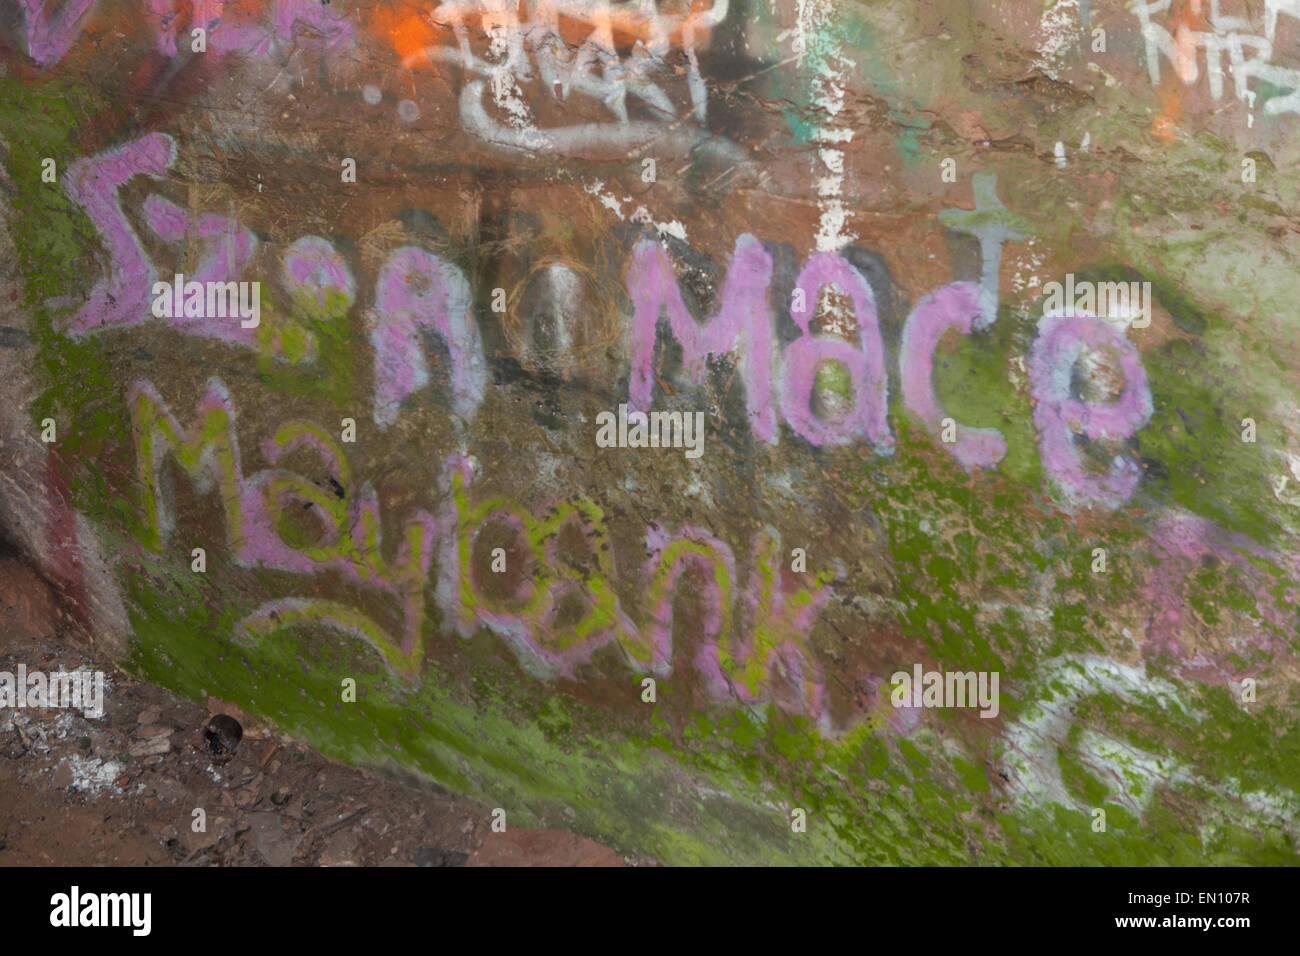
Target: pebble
[[151, 747]]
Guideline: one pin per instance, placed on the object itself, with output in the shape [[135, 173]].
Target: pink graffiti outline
[[416, 289], [512, 624], [206, 15], [121, 298], [660, 611], [743, 324], [1051, 362], [50, 36], [251, 515], [227, 34], [770, 615], [229, 247], [865, 364], [955, 306], [312, 267], [1180, 539]]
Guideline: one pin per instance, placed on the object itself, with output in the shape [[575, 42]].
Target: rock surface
[[969, 329]]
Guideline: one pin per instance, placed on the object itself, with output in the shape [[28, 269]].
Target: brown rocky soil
[[121, 790]]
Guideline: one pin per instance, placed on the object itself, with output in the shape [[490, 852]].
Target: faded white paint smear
[[831, 68]]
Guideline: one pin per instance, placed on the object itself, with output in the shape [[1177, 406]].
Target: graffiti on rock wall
[[755, 622], [1034, 741], [444, 554], [1179, 38], [742, 321], [521, 52], [1190, 545], [256, 507], [954, 306], [227, 248], [51, 34], [417, 290], [253, 27], [1056, 352], [1054, 730], [619, 56], [864, 365], [122, 297], [528, 618], [840, 380]]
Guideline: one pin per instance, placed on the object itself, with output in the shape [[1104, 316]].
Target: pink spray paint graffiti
[[256, 506], [773, 658], [227, 249], [229, 26], [865, 365], [417, 290], [776, 617], [1186, 544], [530, 619], [1056, 351], [317, 277], [743, 322], [691, 550], [122, 296], [744, 325], [165, 20], [537, 621]]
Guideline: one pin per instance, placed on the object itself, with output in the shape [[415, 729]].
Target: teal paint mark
[[837, 37]]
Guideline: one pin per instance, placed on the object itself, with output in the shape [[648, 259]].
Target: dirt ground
[[121, 789]]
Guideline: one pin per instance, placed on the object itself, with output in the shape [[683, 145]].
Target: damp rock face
[[764, 433]]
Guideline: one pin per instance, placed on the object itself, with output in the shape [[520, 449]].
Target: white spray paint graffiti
[[832, 68], [1131, 774], [1060, 28], [1228, 35], [1031, 761]]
